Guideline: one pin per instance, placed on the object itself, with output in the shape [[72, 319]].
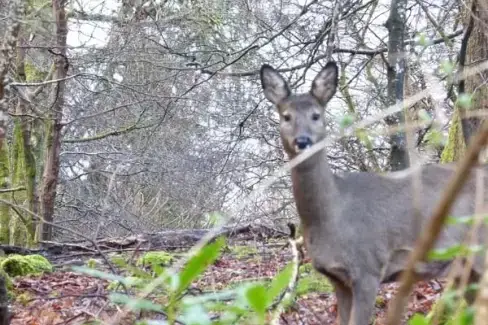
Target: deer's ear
[[324, 85], [274, 86]]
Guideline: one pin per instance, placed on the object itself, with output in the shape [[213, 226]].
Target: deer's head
[[302, 122]]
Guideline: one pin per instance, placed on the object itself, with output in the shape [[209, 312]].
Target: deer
[[358, 227]]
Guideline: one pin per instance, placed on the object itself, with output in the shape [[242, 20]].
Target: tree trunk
[[476, 51], [4, 313], [54, 126], [399, 158], [7, 52], [23, 169]]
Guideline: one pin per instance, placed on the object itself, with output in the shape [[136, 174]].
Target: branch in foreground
[[431, 232], [296, 245]]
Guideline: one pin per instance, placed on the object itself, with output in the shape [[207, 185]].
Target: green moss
[[455, 144], [306, 268], [18, 265], [242, 251], [312, 281], [22, 231], [4, 183], [159, 258], [32, 74], [380, 302], [130, 282], [91, 263], [8, 281], [118, 260], [24, 298]]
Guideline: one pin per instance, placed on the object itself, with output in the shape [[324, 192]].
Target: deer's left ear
[[324, 85]]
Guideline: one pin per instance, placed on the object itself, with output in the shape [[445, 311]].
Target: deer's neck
[[315, 191]]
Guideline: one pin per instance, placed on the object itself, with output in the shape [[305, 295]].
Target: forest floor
[[66, 297]]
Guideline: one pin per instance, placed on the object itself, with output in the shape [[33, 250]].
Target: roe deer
[[358, 228]]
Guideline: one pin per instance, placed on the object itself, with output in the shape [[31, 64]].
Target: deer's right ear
[[274, 86], [324, 85]]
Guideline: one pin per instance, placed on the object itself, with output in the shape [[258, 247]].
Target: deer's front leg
[[344, 302], [364, 293]]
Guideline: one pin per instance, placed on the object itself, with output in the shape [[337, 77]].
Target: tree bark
[[399, 158], [4, 313], [7, 53], [475, 50], [54, 126]]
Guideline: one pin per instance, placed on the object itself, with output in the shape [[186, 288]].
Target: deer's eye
[[287, 117], [315, 116]]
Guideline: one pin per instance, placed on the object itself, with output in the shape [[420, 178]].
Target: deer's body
[[359, 228]]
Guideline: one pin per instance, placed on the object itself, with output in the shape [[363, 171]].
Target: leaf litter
[[65, 297]]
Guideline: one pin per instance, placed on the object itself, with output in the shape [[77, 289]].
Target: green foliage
[[280, 282], [248, 303], [33, 74], [466, 220], [447, 67], [449, 253], [198, 263], [346, 121], [130, 282], [435, 138], [312, 281], [242, 251], [465, 101], [154, 259], [91, 263], [453, 309], [18, 265]]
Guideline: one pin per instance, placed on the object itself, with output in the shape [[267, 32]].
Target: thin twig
[[14, 189]]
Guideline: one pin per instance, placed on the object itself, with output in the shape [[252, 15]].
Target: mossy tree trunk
[[455, 144], [474, 49], [19, 219], [23, 163], [476, 52], [7, 55], [4, 184], [18, 163]]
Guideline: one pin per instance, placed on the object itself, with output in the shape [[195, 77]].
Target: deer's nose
[[303, 142]]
